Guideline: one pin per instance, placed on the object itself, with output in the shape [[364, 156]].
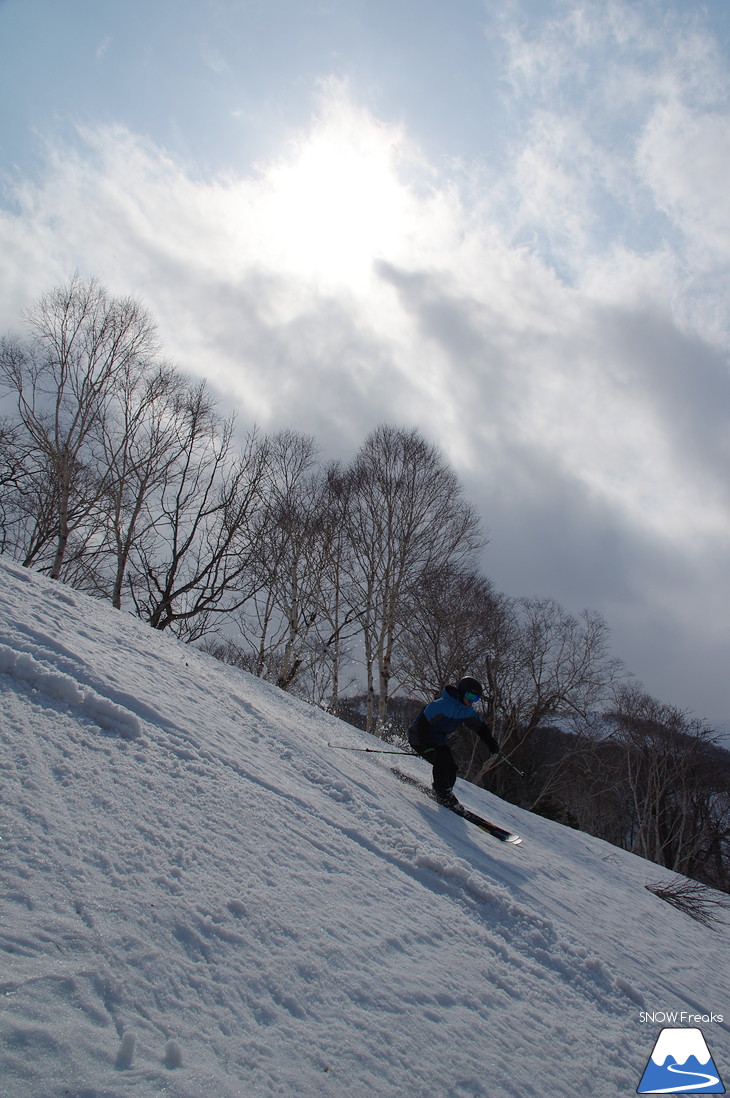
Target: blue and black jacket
[[441, 718]]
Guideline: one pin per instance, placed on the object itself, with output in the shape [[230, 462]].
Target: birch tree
[[340, 612], [675, 809], [142, 444], [277, 625], [200, 563], [406, 518], [450, 629], [543, 664], [80, 340]]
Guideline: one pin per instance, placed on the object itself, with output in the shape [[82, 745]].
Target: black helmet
[[468, 685]]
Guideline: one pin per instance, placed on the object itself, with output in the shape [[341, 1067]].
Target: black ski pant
[[444, 767]]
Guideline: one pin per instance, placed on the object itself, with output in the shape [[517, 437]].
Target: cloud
[[347, 267], [214, 60], [103, 47], [554, 330], [685, 155], [622, 110]]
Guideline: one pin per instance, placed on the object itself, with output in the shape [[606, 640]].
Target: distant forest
[[356, 586]]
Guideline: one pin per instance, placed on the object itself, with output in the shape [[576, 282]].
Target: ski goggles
[[470, 697]]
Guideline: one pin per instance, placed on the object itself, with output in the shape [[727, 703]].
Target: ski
[[493, 829]]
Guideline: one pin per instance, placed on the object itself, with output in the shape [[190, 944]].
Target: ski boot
[[447, 798]]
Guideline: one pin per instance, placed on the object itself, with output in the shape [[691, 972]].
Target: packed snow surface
[[202, 899]]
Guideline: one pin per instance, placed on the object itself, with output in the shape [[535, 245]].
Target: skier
[[428, 734]]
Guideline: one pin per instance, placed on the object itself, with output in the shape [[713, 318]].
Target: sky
[[507, 225]]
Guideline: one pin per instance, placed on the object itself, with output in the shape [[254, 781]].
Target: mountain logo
[[680, 1063]]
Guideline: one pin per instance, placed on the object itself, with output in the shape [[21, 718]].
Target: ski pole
[[511, 764], [371, 750]]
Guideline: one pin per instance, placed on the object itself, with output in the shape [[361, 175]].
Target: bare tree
[[292, 630], [406, 518], [450, 628], [677, 809], [17, 513], [696, 900], [277, 625], [640, 774], [142, 444], [543, 664], [200, 561], [339, 619], [62, 377]]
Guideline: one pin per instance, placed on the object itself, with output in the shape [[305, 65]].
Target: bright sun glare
[[339, 202]]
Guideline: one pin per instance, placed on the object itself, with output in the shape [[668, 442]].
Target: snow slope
[[201, 899]]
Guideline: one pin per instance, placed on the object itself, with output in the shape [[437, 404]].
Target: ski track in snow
[[201, 899]]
